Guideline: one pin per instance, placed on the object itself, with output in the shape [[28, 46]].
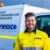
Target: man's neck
[[30, 30]]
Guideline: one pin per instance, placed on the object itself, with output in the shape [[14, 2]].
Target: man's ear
[[36, 21]]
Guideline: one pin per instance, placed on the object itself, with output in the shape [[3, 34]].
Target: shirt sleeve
[[17, 44], [46, 42]]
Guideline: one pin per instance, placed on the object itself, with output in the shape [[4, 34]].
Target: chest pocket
[[39, 41]]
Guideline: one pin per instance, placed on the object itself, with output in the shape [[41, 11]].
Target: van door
[[43, 23]]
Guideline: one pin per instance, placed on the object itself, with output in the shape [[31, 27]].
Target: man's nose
[[30, 22]]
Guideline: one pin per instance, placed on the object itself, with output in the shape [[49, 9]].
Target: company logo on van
[[8, 26]]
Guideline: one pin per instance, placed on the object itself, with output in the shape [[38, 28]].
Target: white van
[[12, 22]]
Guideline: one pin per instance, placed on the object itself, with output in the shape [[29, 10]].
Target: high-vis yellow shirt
[[32, 41]]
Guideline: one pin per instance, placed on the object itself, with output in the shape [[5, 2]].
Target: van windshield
[[43, 23]]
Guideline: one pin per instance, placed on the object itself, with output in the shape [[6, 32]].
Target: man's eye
[[28, 21]]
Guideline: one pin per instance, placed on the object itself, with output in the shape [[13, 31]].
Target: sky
[[39, 3]]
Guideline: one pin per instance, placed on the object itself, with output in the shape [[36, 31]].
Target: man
[[31, 38]]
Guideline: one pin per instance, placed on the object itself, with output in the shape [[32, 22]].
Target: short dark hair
[[29, 14]]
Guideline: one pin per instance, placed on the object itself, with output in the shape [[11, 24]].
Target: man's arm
[[46, 42], [17, 44]]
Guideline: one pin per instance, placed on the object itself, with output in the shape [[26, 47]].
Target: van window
[[43, 23]]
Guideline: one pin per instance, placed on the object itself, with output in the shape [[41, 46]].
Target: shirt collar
[[32, 30]]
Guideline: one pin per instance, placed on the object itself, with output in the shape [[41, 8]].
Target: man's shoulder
[[42, 32], [20, 34]]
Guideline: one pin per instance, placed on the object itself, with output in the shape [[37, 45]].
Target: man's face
[[30, 22]]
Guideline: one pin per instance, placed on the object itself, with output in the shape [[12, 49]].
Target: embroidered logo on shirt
[[38, 38]]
